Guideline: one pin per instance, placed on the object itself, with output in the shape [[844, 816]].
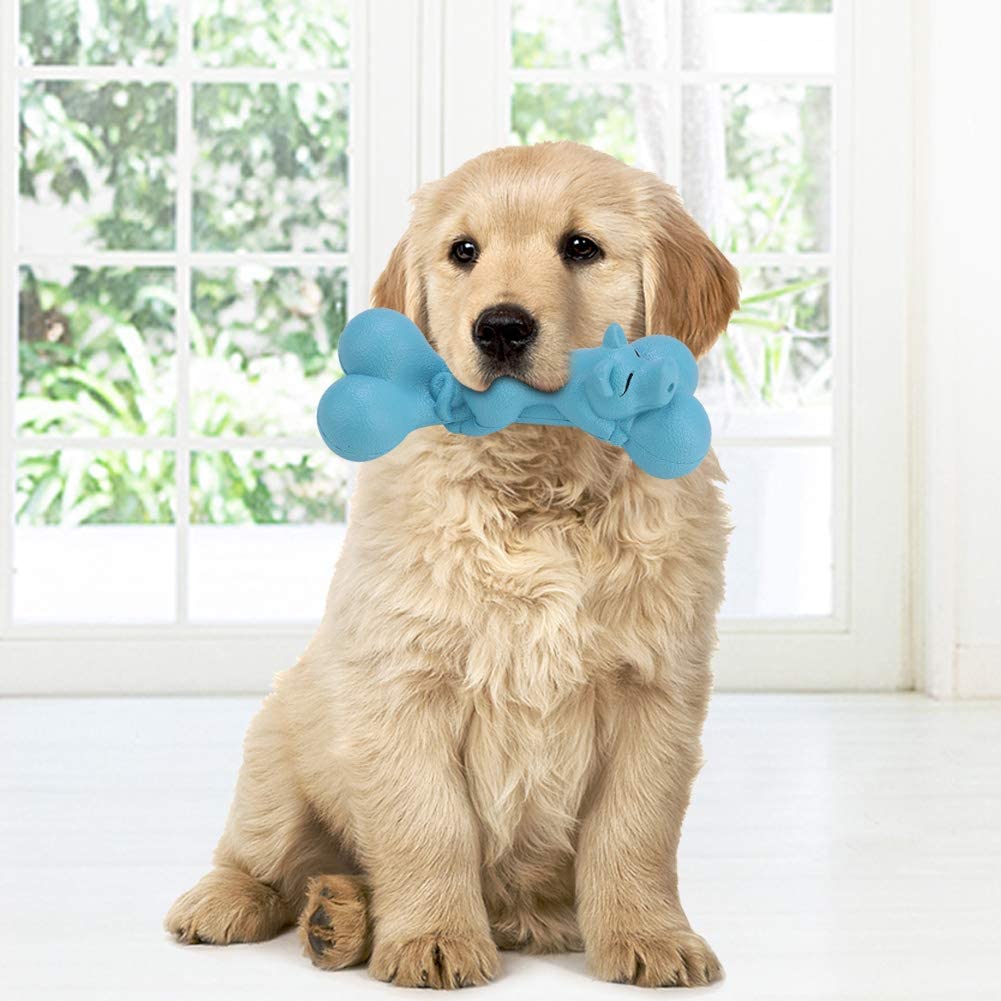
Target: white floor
[[837, 848]]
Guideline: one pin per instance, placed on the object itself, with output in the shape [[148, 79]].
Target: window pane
[[71, 32], [271, 519], [297, 34], [755, 168], [270, 486], [602, 117], [780, 560], [97, 167], [93, 539], [263, 348], [771, 372], [773, 193], [567, 33], [96, 351], [757, 43], [728, 35], [271, 167]]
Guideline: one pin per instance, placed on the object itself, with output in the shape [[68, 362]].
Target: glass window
[[183, 218], [732, 101], [94, 536], [82, 32]]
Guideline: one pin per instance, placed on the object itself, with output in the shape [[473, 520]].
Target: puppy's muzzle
[[503, 332]]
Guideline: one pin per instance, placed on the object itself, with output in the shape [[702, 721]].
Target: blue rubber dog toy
[[638, 396]]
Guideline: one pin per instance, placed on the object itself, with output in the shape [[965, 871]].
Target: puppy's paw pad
[[438, 961], [333, 926], [677, 958]]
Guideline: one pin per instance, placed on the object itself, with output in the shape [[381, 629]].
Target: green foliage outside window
[[67, 32], [776, 191], [97, 347]]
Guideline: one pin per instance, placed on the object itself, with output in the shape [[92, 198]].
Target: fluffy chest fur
[[527, 772], [528, 574]]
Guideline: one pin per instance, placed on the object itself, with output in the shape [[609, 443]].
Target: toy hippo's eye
[[579, 249], [464, 253]]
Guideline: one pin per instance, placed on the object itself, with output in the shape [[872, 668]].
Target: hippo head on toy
[[624, 382]]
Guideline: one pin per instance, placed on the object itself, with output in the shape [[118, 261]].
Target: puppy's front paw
[[676, 958], [226, 906], [435, 960]]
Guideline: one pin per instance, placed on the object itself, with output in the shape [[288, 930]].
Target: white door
[[781, 123]]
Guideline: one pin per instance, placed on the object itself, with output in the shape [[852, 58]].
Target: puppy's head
[[525, 253]]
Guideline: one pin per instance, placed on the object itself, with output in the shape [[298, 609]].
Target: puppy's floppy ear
[[689, 287], [400, 286]]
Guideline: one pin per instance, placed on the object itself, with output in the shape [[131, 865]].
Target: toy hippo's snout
[[628, 383], [654, 384], [667, 383]]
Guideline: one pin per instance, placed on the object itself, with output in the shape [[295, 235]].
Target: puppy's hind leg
[[335, 925], [271, 844]]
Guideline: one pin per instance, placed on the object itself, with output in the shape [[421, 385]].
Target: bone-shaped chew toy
[[637, 395]]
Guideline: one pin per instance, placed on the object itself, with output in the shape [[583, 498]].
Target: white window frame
[[414, 116], [383, 172]]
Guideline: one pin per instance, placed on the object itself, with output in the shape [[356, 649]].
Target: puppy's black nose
[[503, 332]]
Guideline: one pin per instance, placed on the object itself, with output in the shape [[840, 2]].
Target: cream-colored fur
[[493, 735]]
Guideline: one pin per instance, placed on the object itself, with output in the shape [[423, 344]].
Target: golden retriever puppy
[[491, 740]]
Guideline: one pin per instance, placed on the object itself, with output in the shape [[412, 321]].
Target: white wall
[[957, 330]]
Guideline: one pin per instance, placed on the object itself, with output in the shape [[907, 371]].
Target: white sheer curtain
[[647, 36]]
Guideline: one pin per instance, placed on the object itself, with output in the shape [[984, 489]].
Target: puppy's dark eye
[[580, 249], [464, 253]]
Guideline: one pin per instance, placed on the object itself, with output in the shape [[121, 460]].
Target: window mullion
[[8, 305], [163, 443], [657, 77], [359, 278], [675, 86], [168, 74], [475, 116], [198, 259], [185, 158], [385, 85]]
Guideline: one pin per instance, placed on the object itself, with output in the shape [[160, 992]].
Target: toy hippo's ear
[[615, 337]]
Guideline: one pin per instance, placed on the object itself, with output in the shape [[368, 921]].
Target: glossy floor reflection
[[838, 847]]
